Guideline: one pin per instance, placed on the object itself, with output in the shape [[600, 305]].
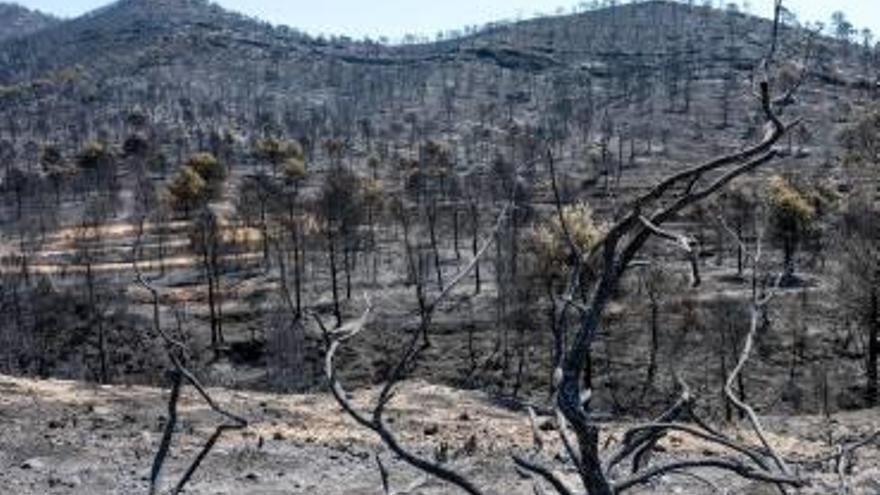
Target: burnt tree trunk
[[432, 227], [331, 248], [655, 341], [96, 320], [217, 295], [455, 235], [346, 260], [298, 255], [871, 392], [475, 246]]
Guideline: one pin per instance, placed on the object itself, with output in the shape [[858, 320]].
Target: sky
[[394, 18]]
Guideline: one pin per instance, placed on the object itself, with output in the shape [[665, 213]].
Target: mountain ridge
[[17, 21], [148, 22], [188, 47]]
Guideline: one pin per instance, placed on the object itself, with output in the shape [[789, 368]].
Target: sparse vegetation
[[528, 211]]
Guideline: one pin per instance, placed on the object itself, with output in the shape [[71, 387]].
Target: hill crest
[[16, 21]]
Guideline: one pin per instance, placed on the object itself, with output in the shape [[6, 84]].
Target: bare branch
[[375, 420], [711, 462], [176, 352], [464, 272], [544, 473], [788, 98], [536, 432], [731, 380], [636, 437], [774, 37], [383, 473], [557, 199], [775, 132], [703, 435], [566, 441], [167, 433], [683, 242]]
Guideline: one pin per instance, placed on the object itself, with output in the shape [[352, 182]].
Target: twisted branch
[[375, 420], [176, 354]]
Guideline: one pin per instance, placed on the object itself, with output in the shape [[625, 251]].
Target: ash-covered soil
[[61, 437]]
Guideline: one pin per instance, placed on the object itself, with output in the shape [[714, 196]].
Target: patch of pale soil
[[174, 262], [116, 230]]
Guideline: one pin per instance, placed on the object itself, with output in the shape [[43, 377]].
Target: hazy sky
[[393, 18]]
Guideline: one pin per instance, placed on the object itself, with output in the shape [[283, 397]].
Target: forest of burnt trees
[[651, 210]]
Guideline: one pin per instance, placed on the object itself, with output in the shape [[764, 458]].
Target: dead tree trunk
[[655, 339], [331, 248], [97, 320], [873, 349], [435, 247], [475, 246]]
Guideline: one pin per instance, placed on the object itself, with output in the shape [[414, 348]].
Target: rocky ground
[[60, 437]]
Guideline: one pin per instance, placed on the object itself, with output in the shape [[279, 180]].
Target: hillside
[[483, 219], [626, 95], [174, 52], [181, 183], [196, 76], [17, 21]]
